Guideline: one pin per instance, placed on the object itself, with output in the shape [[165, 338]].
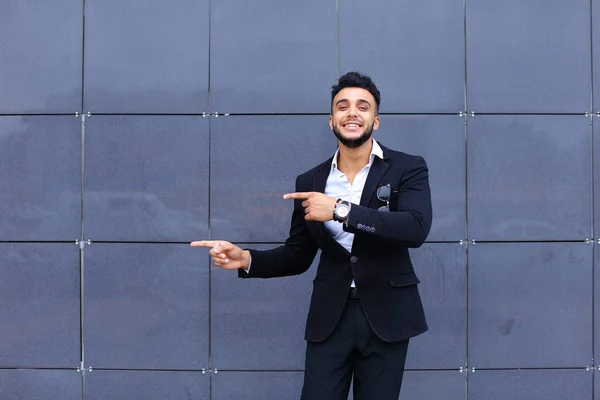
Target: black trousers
[[353, 350]]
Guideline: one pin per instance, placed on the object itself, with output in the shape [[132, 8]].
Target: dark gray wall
[[115, 152]]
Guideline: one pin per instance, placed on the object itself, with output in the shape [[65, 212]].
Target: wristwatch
[[341, 210]]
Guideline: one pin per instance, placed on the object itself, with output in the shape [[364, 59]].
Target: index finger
[[205, 243], [297, 195]]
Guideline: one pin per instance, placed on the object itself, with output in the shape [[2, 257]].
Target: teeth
[[352, 126]]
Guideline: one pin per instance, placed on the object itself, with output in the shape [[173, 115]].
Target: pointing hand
[[317, 206], [224, 254]]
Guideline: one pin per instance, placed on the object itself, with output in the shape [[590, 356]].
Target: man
[[363, 208]]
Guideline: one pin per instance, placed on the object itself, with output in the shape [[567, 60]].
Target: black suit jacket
[[380, 264]]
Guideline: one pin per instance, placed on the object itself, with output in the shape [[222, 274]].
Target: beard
[[355, 142]]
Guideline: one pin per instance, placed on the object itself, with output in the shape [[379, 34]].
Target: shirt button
[[353, 259]]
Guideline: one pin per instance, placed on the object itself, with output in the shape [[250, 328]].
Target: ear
[[330, 121], [376, 123]]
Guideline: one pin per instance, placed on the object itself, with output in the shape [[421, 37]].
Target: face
[[353, 116]]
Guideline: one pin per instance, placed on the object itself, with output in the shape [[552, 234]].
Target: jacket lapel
[[375, 174], [320, 177]]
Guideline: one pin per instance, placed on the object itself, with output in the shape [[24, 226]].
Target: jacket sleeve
[[409, 225], [294, 257]]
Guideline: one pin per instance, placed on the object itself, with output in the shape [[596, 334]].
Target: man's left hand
[[317, 206]]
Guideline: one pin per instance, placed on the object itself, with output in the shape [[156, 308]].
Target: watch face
[[342, 211]]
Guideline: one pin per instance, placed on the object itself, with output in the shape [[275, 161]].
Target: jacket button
[[353, 259]]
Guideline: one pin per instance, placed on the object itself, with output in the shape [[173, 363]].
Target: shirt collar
[[375, 151]]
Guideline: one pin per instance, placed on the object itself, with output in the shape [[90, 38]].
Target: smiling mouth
[[352, 125]]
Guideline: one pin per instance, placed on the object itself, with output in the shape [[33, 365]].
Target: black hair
[[356, 80]]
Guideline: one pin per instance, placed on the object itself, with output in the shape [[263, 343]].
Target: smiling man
[[364, 208]]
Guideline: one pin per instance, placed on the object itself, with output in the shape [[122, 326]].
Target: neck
[[353, 160]]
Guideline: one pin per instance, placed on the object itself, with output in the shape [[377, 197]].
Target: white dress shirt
[[339, 187]]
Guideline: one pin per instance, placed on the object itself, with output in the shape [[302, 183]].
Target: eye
[[362, 108]]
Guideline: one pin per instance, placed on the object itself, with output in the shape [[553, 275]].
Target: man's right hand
[[224, 254]]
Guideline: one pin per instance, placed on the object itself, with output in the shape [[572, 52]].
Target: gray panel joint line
[[464, 114], [472, 370], [204, 114]]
